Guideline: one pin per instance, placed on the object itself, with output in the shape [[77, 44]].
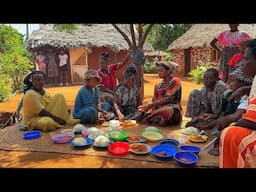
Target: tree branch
[[124, 36], [140, 33], [133, 37], [145, 35]]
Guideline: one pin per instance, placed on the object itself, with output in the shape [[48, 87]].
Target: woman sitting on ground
[[43, 112], [165, 108], [204, 103], [128, 94]]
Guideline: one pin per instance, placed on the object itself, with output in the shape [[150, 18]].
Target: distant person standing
[[52, 66], [63, 67], [41, 62], [229, 41]]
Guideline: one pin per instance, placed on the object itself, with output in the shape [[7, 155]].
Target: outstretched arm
[[122, 64]]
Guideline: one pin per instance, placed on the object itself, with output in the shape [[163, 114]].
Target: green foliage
[[169, 57], [150, 67], [14, 63], [66, 27], [161, 35], [4, 87], [198, 73]]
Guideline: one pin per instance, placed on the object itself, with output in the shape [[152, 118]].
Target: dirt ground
[[16, 159]]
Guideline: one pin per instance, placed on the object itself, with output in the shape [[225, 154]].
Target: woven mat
[[11, 139]]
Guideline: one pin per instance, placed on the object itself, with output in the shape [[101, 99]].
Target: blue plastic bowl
[[32, 134], [88, 144], [173, 142], [185, 158], [164, 151], [190, 148]]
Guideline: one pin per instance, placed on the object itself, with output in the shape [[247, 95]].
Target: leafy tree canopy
[[162, 35]]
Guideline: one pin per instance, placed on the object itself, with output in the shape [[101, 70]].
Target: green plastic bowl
[[118, 135]]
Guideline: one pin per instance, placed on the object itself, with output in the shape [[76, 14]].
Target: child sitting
[[230, 111], [87, 100], [207, 100]]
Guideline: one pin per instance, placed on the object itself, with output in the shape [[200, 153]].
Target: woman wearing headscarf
[[165, 108], [43, 111]]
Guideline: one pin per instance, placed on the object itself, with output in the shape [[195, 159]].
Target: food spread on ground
[[198, 138], [128, 123]]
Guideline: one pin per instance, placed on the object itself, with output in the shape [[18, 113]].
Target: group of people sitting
[[217, 105], [230, 109], [101, 97]]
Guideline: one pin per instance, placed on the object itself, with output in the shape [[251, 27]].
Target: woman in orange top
[[238, 143]]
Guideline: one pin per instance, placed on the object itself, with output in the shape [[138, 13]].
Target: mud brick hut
[[193, 47], [83, 46]]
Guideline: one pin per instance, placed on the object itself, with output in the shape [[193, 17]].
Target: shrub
[[150, 67], [5, 88], [198, 73]]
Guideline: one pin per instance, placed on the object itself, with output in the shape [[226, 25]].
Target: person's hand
[[121, 118], [141, 108], [201, 127], [222, 123], [206, 116]]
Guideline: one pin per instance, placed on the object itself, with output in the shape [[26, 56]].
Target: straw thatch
[[87, 36], [155, 53], [200, 35]]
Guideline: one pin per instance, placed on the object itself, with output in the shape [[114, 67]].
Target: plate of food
[[77, 129], [164, 151], [119, 148], [173, 142], [81, 142], [152, 136], [118, 135], [140, 148], [63, 138], [198, 138], [67, 131], [105, 124], [128, 123], [152, 129], [182, 138], [136, 139], [94, 132], [101, 141]]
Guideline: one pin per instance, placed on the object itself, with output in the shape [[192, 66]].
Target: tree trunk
[[138, 60]]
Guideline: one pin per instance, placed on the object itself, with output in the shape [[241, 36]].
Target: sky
[[22, 28]]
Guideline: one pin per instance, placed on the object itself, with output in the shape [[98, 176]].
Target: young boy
[[87, 103]]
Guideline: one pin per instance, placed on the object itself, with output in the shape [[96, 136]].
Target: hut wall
[[198, 55], [179, 57], [115, 57], [78, 63]]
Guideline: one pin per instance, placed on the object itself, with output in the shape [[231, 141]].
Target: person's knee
[[194, 93], [45, 124]]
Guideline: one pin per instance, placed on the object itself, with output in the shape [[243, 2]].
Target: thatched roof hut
[[86, 36], [193, 47], [83, 45], [200, 35]]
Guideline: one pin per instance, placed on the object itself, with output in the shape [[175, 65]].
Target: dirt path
[[16, 159]]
